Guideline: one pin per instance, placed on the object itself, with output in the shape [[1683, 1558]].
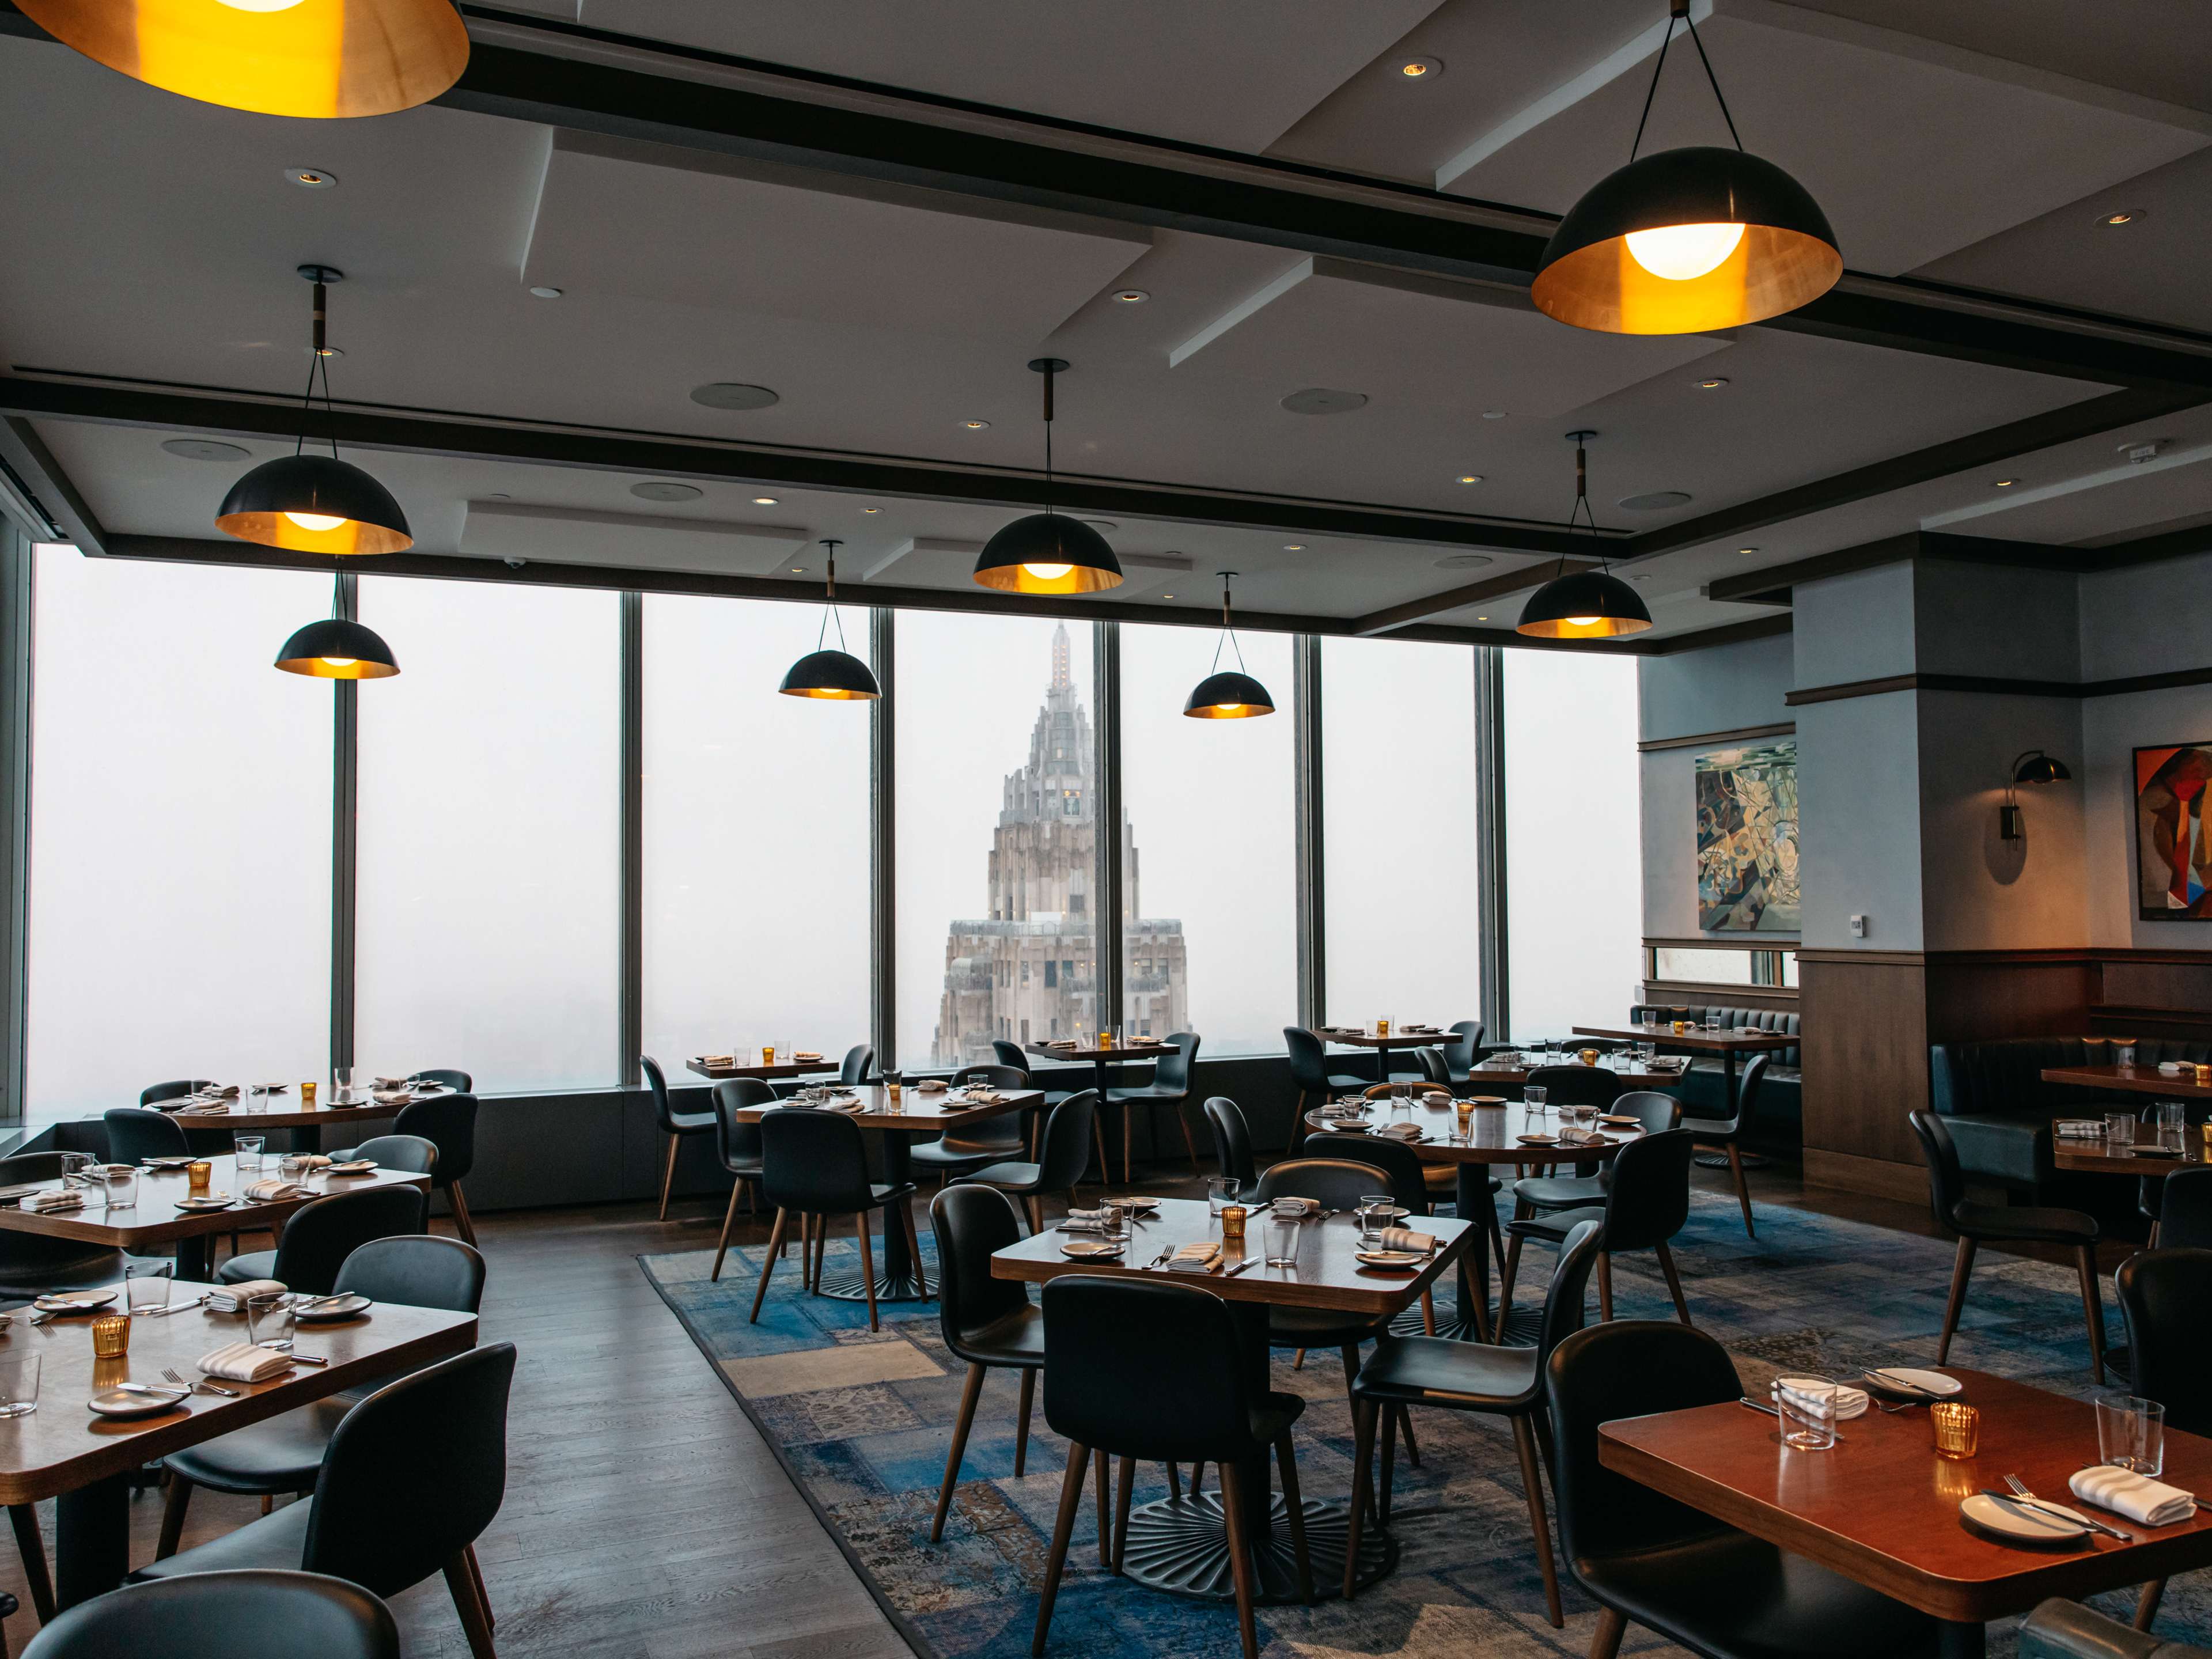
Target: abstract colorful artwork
[[2174, 842], [1747, 839]]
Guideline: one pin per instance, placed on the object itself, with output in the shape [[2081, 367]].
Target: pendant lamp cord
[[831, 608], [1228, 633], [1582, 508], [1048, 373], [1681, 9], [318, 362]]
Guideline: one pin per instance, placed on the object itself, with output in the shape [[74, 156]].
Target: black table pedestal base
[[92, 1540], [1180, 1545], [909, 1284]]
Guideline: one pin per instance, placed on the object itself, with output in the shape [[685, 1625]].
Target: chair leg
[[1022, 1425], [2147, 1601], [1386, 1461], [1105, 1509], [1294, 1511], [1507, 1274], [1240, 1555], [1742, 1192], [1098, 1134], [1524, 1443], [1605, 1286], [1128, 1116], [1036, 1215], [476, 1615], [1124, 1479], [1413, 1446], [969, 1395], [1175, 1482], [1071, 1495], [2092, 1310], [1674, 1280], [1962, 1268], [913, 1238], [476, 1577], [1428, 1313], [32, 1548], [1363, 1493], [467, 1228], [867, 1263], [729, 1220], [1605, 1641], [767, 1263], [1190, 1145], [668, 1174], [1298, 1360], [1297, 1124]]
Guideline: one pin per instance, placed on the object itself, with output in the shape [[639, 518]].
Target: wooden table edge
[[1015, 1100], [1714, 1040], [253, 1218]]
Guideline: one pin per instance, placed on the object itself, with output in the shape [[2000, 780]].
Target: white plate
[[1403, 1262], [351, 1307], [357, 1166], [172, 1161], [206, 1202], [117, 1402], [2025, 1523], [75, 1302], [1538, 1141], [1927, 1382], [1391, 1211], [1093, 1250], [1142, 1205]]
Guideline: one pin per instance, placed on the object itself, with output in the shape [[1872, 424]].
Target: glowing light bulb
[[339, 662], [312, 521], [1047, 573], [1228, 708], [1582, 622], [261, 5], [1681, 253]]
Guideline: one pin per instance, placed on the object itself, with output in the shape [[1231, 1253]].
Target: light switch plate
[[1858, 926]]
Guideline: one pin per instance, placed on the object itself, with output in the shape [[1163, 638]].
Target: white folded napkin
[[1791, 1390], [45, 1203], [1084, 1221], [1405, 1238], [1196, 1257], [2079, 1128], [1401, 1131], [230, 1298], [1299, 1207], [274, 1191], [932, 1085], [715, 1059], [2149, 1503], [220, 1092], [312, 1160], [241, 1362]]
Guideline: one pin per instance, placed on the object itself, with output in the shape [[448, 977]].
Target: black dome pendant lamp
[[1586, 604], [1227, 693], [833, 676], [1687, 239], [338, 649], [1048, 552], [315, 503]]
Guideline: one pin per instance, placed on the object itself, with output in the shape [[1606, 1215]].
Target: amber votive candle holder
[[111, 1336], [198, 1174], [308, 1095], [1958, 1429], [1232, 1222]]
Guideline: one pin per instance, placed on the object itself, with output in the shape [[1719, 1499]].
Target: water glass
[[1282, 1242], [1646, 1053], [1114, 1222], [1808, 1405], [1220, 1192], [1535, 1099], [74, 1168], [1713, 1023], [146, 1287], [270, 1319], [19, 1386], [2120, 1129], [342, 1082], [2131, 1433], [120, 1184], [1371, 1220], [246, 1151], [2172, 1120], [2123, 1054]]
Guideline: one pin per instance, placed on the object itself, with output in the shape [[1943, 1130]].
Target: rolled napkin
[[241, 1362], [1405, 1238], [46, 1203], [390, 1082], [2149, 1503], [220, 1092], [1196, 1257], [274, 1191], [932, 1086], [230, 1298], [1085, 1221], [1298, 1206], [1401, 1131], [312, 1160], [1849, 1402], [715, 1059], [2079, 1128], [984, 1096]]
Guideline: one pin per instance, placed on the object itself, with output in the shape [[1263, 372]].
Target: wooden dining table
[[1101, 1059], [1399, 1038], [1180, 1544], [1728, 1044], [768, 1073], [154, 1219], [915, 1115], [1882, 1509], [2131, 1080], [64, 1451], [1511, 1071], [242, 1116]]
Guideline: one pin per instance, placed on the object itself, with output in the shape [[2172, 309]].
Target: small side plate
[[171, 1161], [1917, 1383], [1395, 1261], [1092, 1249], [1538, 1141], [74, 1302], [2023, 1523], [117, 1402], [351, 1307], [206, 1202], [1142, 1205]]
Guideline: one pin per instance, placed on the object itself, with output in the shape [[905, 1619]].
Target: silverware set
[[2020, 1498]]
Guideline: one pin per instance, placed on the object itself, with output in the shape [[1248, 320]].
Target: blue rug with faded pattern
[[862, 1421]]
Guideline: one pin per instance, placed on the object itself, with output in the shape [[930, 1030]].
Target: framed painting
[[1747, 839], [2173, 856]]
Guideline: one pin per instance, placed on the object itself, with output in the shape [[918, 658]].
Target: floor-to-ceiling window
[[1398, 831], [1208, 878], [997, 883], [180, 832], [1573, 844], [488, 893], [755, 844]]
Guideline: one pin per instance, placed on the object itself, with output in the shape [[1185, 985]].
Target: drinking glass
[[1808, 1405], [1220, 1192], [2123, 1054], [2172, 1120], [342, 1081], [1646, 1053], [2131, 1433], [120, 1184], [1371, 1222], [146, 1288], [1114, 1222], [271, 1320], [1464, 1111], [247, 1149], [1713, 1023], [1534, 1100], [73, 1166], [1282, 1242], [2120, 1129], [19, 1386]]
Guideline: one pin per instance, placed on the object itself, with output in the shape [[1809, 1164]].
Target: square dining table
[[240, 1116], [64, 1451], [1882, 1509], [1180, 1544], [1740, 1040], [1346, 1037], [2131, 1079]]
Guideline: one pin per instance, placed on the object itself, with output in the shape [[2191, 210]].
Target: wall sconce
[[2032, 767]]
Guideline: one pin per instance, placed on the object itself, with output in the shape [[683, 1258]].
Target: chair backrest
[[1747, 1088], [1434, 1065], [1409, 1183], [34, 1262], [175, 1089], [1309, 1064], [1009, 1053], [1625, 1367], [2184, 1210], [452, 1079], [739, 1144], [1232, 1142], [1335, 1183], [656, 1084], [421, 1270], [414, 1474], [813, 1160], [1566, 1299], [1116, 1350], [999, 1077], [410, 1152], [24, 1167], [1065, 1150], [139, 1132], [1577, 1085], [257, 1614], [1947, 1189], [1654, 1110], [1462, 1051], [1647, 1190], [858, 1060], [971, 1223], [317, 1237], [2163, 1295], [449, 1123], [1171, 1073]]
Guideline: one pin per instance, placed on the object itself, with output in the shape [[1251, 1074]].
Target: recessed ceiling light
[[976, 426], [1324, 400], [1166, 596], [1132, 296], [1470, 477], [658, 490], [764, 501], [734, 394], [871, 509], [1494, 414], [311, 178], [1657, 501], [1420, 69], [203, 449], [1294, 547], [798, 570], [1482, 619], [2006, 483], [2120, 216], [542, 292], [1713, 382], [1464, 561], [1747, 549]]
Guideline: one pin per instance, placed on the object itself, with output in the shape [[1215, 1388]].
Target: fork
[[170, 1371], [2019, 1490]]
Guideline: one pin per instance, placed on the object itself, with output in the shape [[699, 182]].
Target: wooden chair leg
[[2093, 1312], [1105, 1509], [1386, 1460], [1124, 1481], [1022, 1424], [1742, 1192], [1189, 1144], [1240, 1555], [767, 1263], [913, 1238], [1524, 1443], [1128, 1116], [32, 1548], [1071, 1495], [1962, 1268], [1507, 1274], [729, 1220], [1098, 1135], [476, 1620], [1298, 1360], [969, 1395], [1605, 1641], [1036, 1215], [867, 1264], [268, 1502], [1362, 1489], [1605, 1286], [1197, 1477], [668, 1174], [1674, 1280], [1428, 1313], [2147, 1601], [1413, 1446], [1175, 1483], [467, 1228], [476, 1577], [1294, 1511]]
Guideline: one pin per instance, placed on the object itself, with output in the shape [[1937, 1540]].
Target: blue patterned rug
[[862, 1422]]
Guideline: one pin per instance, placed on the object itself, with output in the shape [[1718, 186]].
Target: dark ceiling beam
[[1393, 618], [26, 455], [1776, 584], [2148, 549]]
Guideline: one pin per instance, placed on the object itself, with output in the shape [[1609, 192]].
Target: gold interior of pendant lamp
[[1603, 287]]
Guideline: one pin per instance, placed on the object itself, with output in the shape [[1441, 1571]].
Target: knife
[[1248, 1262]]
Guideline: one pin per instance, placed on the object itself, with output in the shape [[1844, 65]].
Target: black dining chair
[[995, 1140], [135, 1133], [1541, 1194], [317, 1237], [1647, 1200], [413, 1475], [737, 1147], [449, 1123], [859, 1060], [1063, 1153], [176, 1089], [1413, 1185], [1450, 1374], [460, 1081], [1576, 1085], [409, 1154], [2163, 1294], [225, 1615], [814, 1163], [1977, 1224], [986, 1321], [285, 1454], [1011, 1054], [1464, 1050], [1311, 1077], [1146, 1371], [2184, 1211], [1645, 1557], [675, 1127], [2060, 1629], [1232, 1142], [1724, 1132], [1435, 1068], [1171, 1087]]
